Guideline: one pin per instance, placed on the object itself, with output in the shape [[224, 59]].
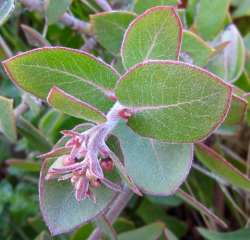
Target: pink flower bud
[[90, 176], [124, 113], [67, 161], [96, 184], [70, 143], [106, 164]]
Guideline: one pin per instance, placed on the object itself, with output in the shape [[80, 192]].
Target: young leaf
[[206, 25], [237, 111], [172, 101], [148, 232], [167, 165], [219, 165], [196, 48], [154, 35], [34, 38], [6, 9], [7, 120], [107, 227], [198, 206], [241, 234], [56, 153], [73, 106], [242, 10], [219, 48], [75, 72], [227, 130], [54, 9], [140, 6], [33, 135], [105, 24], [57, 213], [25, 165], [169, 235]]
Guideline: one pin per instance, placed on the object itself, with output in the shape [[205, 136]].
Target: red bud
[[90, 176], [96, 184], [106, 164], [124, 113], [67, 161]]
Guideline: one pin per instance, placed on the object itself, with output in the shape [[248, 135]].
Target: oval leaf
[[105, 24], [154, 35], [167, 165], [75, 72], [6, 8], [73, 106], [219, 165], [172, 101]]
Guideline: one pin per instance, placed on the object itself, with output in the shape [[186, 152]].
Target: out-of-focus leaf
[[227, 130], [54, 9], [37, 223], [169, 235], [172, 201], [182, 114], [241, 234], [122, 225], [149, 232], [152, 28], [73, 106], [107, 227], [206, 25], [82, 232], [237, 111], [219, 48], [246, 41], [167, 164], [219, 165], [198, 206], [33, 135], [44, 236], [191, 11], [34, 38], [7, 120], [243, 82], [198, 50], [25, 165], [182, 16], [236, 3], [6, 8], [75, 72], [118, 65], [242, 10], [140, 6], [104, 25]]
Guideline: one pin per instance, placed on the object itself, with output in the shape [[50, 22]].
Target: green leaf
[[172, 201], [219, 48], [198, 50], [44, 236], [220, 166], [246, 41], [33, 135], [198, 206], [242, 10], [237, 111], [148, 37], [105, 24], [56, 153], [75, 72], [206, 25], [73, 106], [169, 235], [140, 6], [227, 130], [6, 9], [241, 234], [7, 120], [182, 16], [243, 82], [54, 9], [191, 11], [122, 225], [82, 232], [172, 101], [167, 164], [57, 213], [25, 165], [34, 38], [149, 232], [118, 65], [107, 227]]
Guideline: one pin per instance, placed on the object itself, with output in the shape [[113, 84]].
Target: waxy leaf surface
[[149, 232], [76, 73], [73, 106], [196, 48], [166, 164], [172, 101], [198, 206], [7, 120], [107, 227], [219, 165], [206, 25], [154, 35], [140, 6], [237, 111], [241, 234], [25, 165], [54, 9], [105, 24], [6, 8]]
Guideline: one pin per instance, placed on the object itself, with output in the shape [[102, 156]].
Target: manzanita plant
[[141, 115]]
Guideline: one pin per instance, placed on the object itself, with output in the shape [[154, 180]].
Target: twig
[[104, 5], [78, 25], [89, 45], [21, 109], [114, 211], [90, 6]]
